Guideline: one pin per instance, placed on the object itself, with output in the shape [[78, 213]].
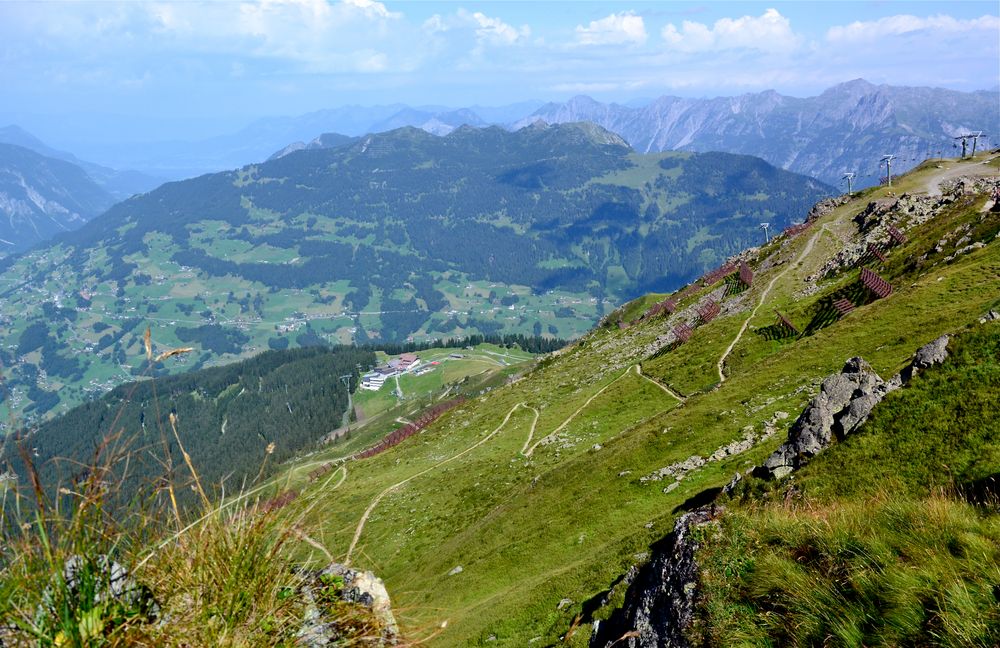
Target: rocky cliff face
[[846, 128], [42, 196], [660, 602]]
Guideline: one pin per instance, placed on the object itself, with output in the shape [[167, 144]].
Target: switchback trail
[[665, 388], [378, 498], [531, 432], [574, 414], [763, 297], [343, 477]]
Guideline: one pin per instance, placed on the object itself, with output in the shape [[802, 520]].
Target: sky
[[193, 69]]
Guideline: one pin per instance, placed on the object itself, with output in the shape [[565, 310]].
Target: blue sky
[[164, 69]]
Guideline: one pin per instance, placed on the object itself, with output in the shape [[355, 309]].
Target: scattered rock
[[965, 250], [931, 354], [677, 470], [564, 603], [660, 602], [991, 316], [363, 588], [596, 447], [749, 439], [456, 570]]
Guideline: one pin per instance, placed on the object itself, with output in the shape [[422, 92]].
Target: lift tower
[[965, 137], [888, 168], [849, 177]]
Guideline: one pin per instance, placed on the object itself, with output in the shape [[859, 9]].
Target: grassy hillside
[[392, 237], [882, 540], [545, 491], [240, 421]]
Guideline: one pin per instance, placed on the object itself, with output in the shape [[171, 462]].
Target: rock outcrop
[[660, 603], [844, 402], [354, 586]]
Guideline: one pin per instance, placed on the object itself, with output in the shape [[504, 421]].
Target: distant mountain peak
[[596, 134], [858, 84], [583, 101]]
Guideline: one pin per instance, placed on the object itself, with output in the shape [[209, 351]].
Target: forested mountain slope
[[232, 420], [516, 518], [387, 237]]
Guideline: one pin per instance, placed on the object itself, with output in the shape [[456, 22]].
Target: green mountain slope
[[385, 238], [882, 539], [545, 492], [238, 422]]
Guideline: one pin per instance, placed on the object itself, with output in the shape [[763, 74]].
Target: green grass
[[886, 572], [878, 545], [218, 575]]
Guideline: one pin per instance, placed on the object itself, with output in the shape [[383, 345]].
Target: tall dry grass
[[218, 574]]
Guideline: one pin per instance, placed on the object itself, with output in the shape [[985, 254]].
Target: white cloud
[[598, 86], [318, 35], [769, 32], [496, 31], [436, 24], [487, 31], [616, 29], [906, 24], [373, 9]]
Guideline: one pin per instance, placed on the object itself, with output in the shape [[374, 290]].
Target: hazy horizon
[[84, 72]]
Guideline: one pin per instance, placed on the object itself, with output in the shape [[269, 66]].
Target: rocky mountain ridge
[[847, 128], [42, 196], [120, 184]]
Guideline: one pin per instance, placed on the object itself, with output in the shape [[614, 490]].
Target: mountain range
[[386, 237], [42, 196], [119, 184], [261, 138], [847, 128], [798, 449]]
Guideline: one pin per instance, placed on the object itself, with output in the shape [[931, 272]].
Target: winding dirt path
[[957, 169], [574, 414], [665, 388], [343, 477], [378, 498], [763, 297], [531, 432]]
